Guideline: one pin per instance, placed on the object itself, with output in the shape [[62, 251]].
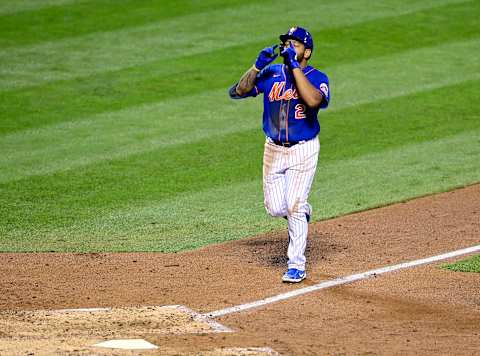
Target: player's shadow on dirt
[[271, 250]]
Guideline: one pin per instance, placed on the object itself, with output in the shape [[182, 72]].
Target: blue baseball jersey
[[285, 116]]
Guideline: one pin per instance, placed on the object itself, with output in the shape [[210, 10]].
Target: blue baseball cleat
[[294, 275]]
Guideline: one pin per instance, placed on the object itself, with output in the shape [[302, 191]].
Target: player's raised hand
[[290, 57], [265, 57]]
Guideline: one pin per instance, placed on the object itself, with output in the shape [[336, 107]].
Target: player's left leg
[[299, 178]]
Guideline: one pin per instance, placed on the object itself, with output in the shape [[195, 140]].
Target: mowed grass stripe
[[160, 80], [426, 28], [404, 73], [75, 197], [47, 22], [13, 6], [149, 127], [196, 33], [120, 134], [234, 211]]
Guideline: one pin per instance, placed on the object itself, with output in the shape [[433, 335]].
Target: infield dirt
[[424, 310]]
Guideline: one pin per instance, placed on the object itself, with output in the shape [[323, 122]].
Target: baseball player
[[293, 93]]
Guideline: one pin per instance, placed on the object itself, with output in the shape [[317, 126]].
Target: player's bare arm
[[309, 94], [247, 81]]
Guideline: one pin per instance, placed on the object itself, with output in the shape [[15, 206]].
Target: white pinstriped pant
[[288, 174]]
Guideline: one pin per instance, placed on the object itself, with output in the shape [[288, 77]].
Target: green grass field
[[117, 133], [471, 264]]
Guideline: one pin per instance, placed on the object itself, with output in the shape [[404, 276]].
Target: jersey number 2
[[300, 112]]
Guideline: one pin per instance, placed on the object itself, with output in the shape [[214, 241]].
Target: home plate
[[131, 344], [71, 331]]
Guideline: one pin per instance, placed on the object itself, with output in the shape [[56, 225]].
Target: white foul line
[[340, 281], [82, 310]]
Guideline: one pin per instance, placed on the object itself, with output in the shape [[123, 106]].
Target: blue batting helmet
[[300, 34]]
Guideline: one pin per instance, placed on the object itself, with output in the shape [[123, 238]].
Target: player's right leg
[[274, 186], [299, 178]]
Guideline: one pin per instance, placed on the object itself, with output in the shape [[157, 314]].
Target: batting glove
[[290, 57], [265, 57]]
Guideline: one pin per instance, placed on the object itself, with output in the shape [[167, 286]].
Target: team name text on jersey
[[278, 93]]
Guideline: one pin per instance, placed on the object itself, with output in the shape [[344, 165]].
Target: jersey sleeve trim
[[311, 70], [232, 92]]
